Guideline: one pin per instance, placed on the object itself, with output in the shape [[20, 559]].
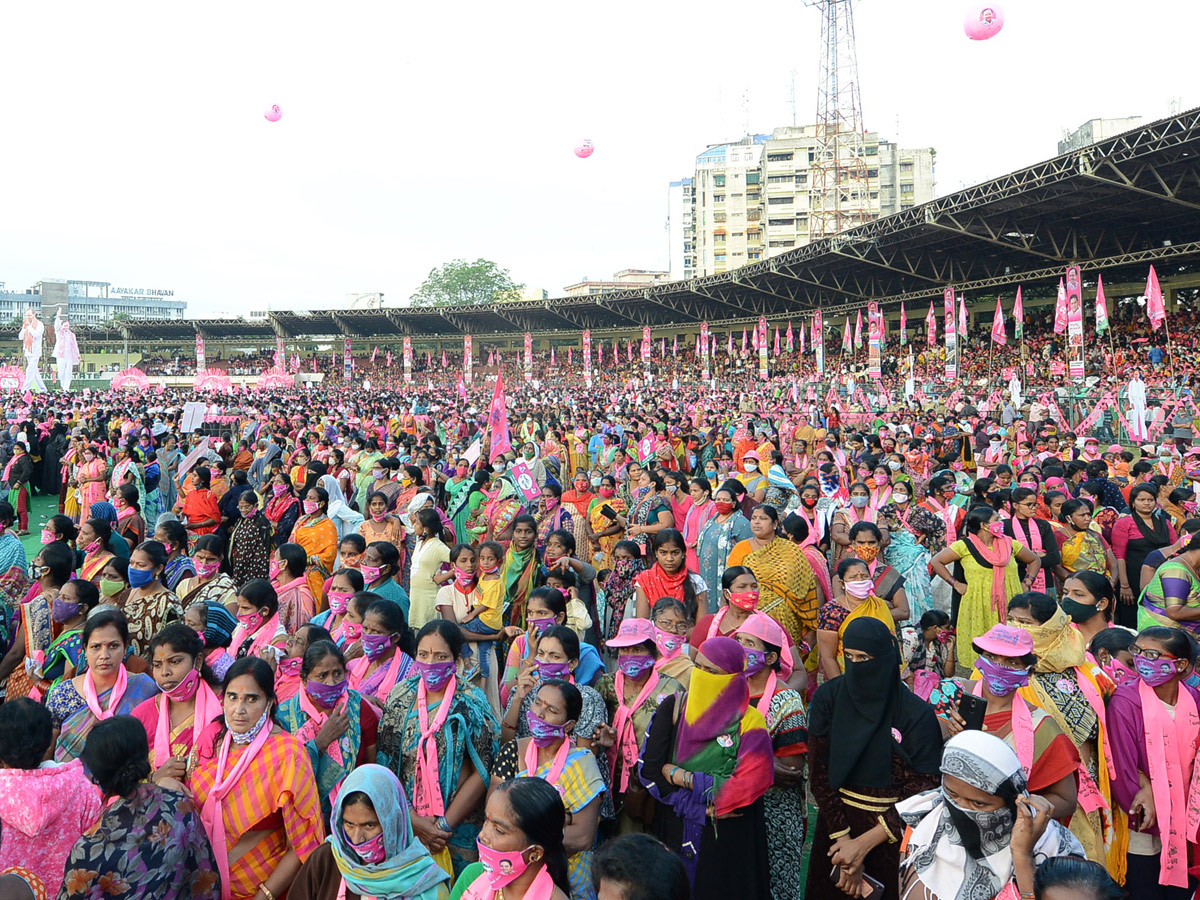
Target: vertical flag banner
[[858, 331], [730, 348], [468, 361], [528, 357], [962, 319], [931, 327], [374, 353], [903, 325], [777, 342], [998, 335], [646, 344], [200, 366], [846, 336], [408, 360], [802, 333], [675, 347], [874, 340], [951, 335], [616, 351], [1075, 366], [1101, 306], [1060, 309], [789, 336], [762, 348], [1018, 316], [819, 342], [704, 348], [498, 421], [743, 341], [445, 361], [1154, 301], [587, 357], [280, 353], [347, 360], [629, 348]]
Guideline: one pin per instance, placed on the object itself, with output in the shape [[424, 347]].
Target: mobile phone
[[1136, 819], [972, 709], [607, 512]]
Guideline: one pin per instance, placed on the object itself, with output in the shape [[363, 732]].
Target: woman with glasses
[[1154, 724], [671, 627], [1037, 535]]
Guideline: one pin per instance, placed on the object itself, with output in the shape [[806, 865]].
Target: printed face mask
[[375, 645], [1001, 680], [669, 645], [635, 665], [1155, 672], [501, 868], [326, 694], [746, 600], [756, 661], [554, 670], [435, 675], [544, 734], [338, 600]]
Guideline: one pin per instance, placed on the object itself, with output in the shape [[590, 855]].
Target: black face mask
[[1079, 612]]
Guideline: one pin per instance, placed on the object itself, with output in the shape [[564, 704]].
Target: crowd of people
[[556, 639]]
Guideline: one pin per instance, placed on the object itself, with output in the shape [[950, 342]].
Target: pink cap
[[751, 454], [1004, 640], [1114, 448], [767, 630], [633, 632]]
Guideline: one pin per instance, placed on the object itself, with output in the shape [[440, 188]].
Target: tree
[[460, 283]]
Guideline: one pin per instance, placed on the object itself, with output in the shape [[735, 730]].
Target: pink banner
[[1074, 290], [762, 347], [704, 348], [528, 357], [951, 335], [408, 360], [200, 363], [468, 358], [587, 357]]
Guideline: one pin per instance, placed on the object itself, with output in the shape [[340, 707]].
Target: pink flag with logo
[[498, 421], [962, 317], [998, 335], [462, 388], [743, 340], [730, 348], [1154, 301], [675, 347], [1101, 306], [789, 338], [445, 362], [931, 327], [1060, 309], [1018, 316], [846, 336], [803, 331], [570, 356], [776, 340], [858, 331]]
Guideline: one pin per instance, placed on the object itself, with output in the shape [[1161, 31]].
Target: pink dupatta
[[998, 556], [1170, 752], [626, 745], [208, 707], [427, 796]]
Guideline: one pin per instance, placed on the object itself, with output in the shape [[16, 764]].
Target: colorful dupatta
[[302, 718], [786, 587], [518, 573]]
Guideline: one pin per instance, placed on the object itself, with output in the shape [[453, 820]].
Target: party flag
[[846, 336], [445, 362], [1060, 308], [730, 349], [789, 337], [803, 331], [931, 327], [675, 346], [903, 325], [998, 334], [462, 388], [374, 353], [1101, 306], [1018, 316], [1154, 301], [552, 357], [389, 359], [858, 331], [777, 340], [498, 421], [962, 318], [569, 355]]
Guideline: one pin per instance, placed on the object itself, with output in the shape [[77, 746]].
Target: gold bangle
[[266, 890]]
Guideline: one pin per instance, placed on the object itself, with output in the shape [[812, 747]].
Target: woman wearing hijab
[[709, 764], [371, 850], [872, 743], [980, 832], [339, 512]]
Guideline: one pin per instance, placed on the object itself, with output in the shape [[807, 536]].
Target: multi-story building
[[680, 233], [621, 281], [1095, 130], [91, 302], [751, 199]]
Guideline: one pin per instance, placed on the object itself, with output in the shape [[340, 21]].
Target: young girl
[[468, 602], [343, 584]]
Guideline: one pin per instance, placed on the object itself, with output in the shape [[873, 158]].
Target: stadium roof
[[1118, 205]]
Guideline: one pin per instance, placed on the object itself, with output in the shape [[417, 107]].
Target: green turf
[[41, 509]]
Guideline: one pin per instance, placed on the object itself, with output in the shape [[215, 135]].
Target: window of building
[[906, 165], [780, 201], [718, 181], [719, 217], [718, 257], [780, 223], [739, 234], [801, 178], [718, 198], [785, 243], [781, 179], [779, 157], [872, 150], [752, 177], [872, 173], [754, 254]]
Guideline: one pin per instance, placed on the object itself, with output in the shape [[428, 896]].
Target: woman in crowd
[[631, 695], [380, 567], [371, 850], [337, 727], [979, 835], [94, 538], [872, 744], [41, 644], [521, 566], [1172, 598], [130, 524], [174, 539], [551, 515], [69, 611], [547, 608], [619, 588], [1081, 549], [430, 553], [287, 570], [105, 690], [669, 577], [693, 521], [1072, 689], [388, 649], [282, 509], [439, 737], [606, 513], [650, 510], [44, 809], [727, 529], [1144, 529], [379, 525], [343, 585], [200, 511], [258, 625], [989, 564], [767, 668], [1154, 726], [847, 517], [345, 519], [287, 668], [209, 582], [521, 845], [886, 582], [707, 758], [318, 535], [91, 477], [671, 627], [149, 841], [930, 649], [255, 790], [557, 656], [787, 587], [214, 625], [912, 530], [857, 600], [187, 704], [548, 753], [1035, 534], [150, 604], [250, 541]]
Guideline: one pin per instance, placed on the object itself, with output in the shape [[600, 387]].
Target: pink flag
[[789, 338], [569, 355], [743, 340], [998, 335], [444, 360], [498, 421], [962, 318], [698, 351], [374, 353], [462, 388], [389, 359], [675, 347], [1018, 316], [903, 325], [1060, 307], [931, 327], [730, 349], [1154, 301], [27, 397], [552, 358], [617, 350], [1101, 306], [846, 336], [858, 330], [803, 331], [629, 347], [662, 348]]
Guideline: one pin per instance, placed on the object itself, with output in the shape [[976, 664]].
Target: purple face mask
[[544, 734], [375, 645], [635, 665], [554, 670], [435, 675], [1000, 680], [1155, 672], [756, 661], [326, 694]]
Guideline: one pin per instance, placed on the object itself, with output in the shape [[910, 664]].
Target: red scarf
[[656, 583], [998, 555]]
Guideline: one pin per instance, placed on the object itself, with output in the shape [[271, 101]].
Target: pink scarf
[[1170, 751], [1022, 729], [999, 555], [114, 696], [1035, 544], [764, 702], [208, 707], [212, 816], [947, 515], [556, 765], [317, 718], [626, 745], [357, 671], [427, 798], [263, 636], [541, 888], [8, 468]]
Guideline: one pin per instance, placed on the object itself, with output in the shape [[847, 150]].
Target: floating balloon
[[273, 114], [983, 22], [584, 149]]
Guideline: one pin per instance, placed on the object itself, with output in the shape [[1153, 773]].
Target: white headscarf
[[936, 849], [346, 519]]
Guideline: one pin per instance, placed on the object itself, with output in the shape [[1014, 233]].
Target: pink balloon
[[584, 148], [273, 114], [983, 21]]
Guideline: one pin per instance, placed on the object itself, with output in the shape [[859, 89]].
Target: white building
[[1095, 130], [681, 252]]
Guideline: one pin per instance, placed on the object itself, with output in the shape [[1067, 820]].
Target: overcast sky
[[135, 151]]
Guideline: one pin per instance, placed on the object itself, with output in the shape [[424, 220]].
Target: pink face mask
[[290, 666], [501, 867], [996, 528], [338, 601], [48, 537], [250, 621], [186, 689], [370, 574], [310, 506], [371, 852], [273, 568]]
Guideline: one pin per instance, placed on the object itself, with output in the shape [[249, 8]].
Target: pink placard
[[524, 480]]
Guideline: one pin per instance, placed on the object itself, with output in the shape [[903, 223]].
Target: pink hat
[[633, 632], [751, 454], [767, 630], [1114, 448], [1004, 640]]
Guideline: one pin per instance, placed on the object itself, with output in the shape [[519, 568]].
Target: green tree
[[460, 283]]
